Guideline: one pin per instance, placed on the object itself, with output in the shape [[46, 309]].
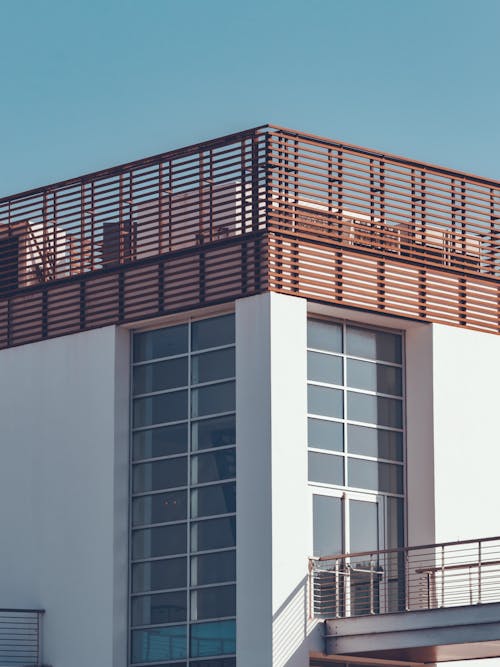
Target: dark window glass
[[159, 574], [217, 432], [161, 541], [161, 343], [213, 466], [159, 609], [213, 399], [325, 434], [163, 441], [163, 474], [324, 335], [364, 528], [324, 368], [159, 508], [159, 644], [394, 523], [217, 638], [213, 534], [211, 366], [326, 468], [216, 499], [161, 409], [213, 568], [325, 401], [377, 476], [374, 377], [214, 602], [214, 332], [373, 344], [375, 442], [374, 409], [327, 526], [218, 662], [161, 375]]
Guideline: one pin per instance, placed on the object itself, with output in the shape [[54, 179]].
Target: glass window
[[216, 638], [213, 466], [159, 574], [364, 528], [325, 434], [374, 409], [161, 343], [374, 377], [213, 534], [324, 335], [327, 526], [325, 401], [213, 602], [162, 474], [158, 644], [161, 409], [324, 368], [159, 508], [377, 476], [217, 432], [326, 468], [213, 568], [213, 399], [211, 366], [160, 541], [161, 375], [375, 442], [159, 609], [373, 344], [162, 441], [215, 499], [218, 662], [213, 332]]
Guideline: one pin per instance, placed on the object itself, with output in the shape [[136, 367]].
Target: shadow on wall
[[294, 633]]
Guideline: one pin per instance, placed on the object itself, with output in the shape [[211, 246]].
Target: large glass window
[[183, 526]]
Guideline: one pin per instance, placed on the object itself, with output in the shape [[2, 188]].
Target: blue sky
[[88, 84]]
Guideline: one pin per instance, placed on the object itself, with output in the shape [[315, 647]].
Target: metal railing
[[432, 576], [21, 637]]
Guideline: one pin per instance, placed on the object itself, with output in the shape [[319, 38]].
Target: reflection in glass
[[325, 401], [324, 368], [162, 441], [217, 432], [375, 442], [159, 575], [213, 534], [161, 343], [213, 466], [161, 375], [326, 468], [327, 526], [373, 344], [160, 541], [215, 499], [162, 474], [159, 609], [214, 332], [213, 568], [213, 602], [374, 377], [324, 335], [216, 638], [159, 508], [160, 409], [157, 644], [374, 409], [211, 366], [385, 477], [325, 434], [213, 399]]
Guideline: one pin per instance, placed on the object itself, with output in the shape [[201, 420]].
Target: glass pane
[[213, 568], [163, 441], [213, 534], [394, 523], [161, 541], [217, 638], [213, 466], [373, 344], [159, 609], [326, 468], [212, 366], [217, 432], [161, 343], [160, 409], [161, 375], [159, 574], [162, 474], [324, 335], [325, 434], [327, 526], [363, 525], [159, 644], [214, 332], [374, 377], [216, 499], [215, 602], [375, 409], [377, 476], [375, 442], [217, 662], [325, 401], [159, 508], [213, 399], [324, 368]]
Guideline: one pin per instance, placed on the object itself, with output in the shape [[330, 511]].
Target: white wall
[[63, 492]]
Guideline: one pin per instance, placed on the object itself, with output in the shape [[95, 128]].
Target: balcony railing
[[21, 637], [448, 574]]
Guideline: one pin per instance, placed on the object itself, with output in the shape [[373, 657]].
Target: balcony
[[21, 637], [428, 603]]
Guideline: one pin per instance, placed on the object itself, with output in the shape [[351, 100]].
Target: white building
[[220, 366]]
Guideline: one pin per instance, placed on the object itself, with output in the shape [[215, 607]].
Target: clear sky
[[87, 84]]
